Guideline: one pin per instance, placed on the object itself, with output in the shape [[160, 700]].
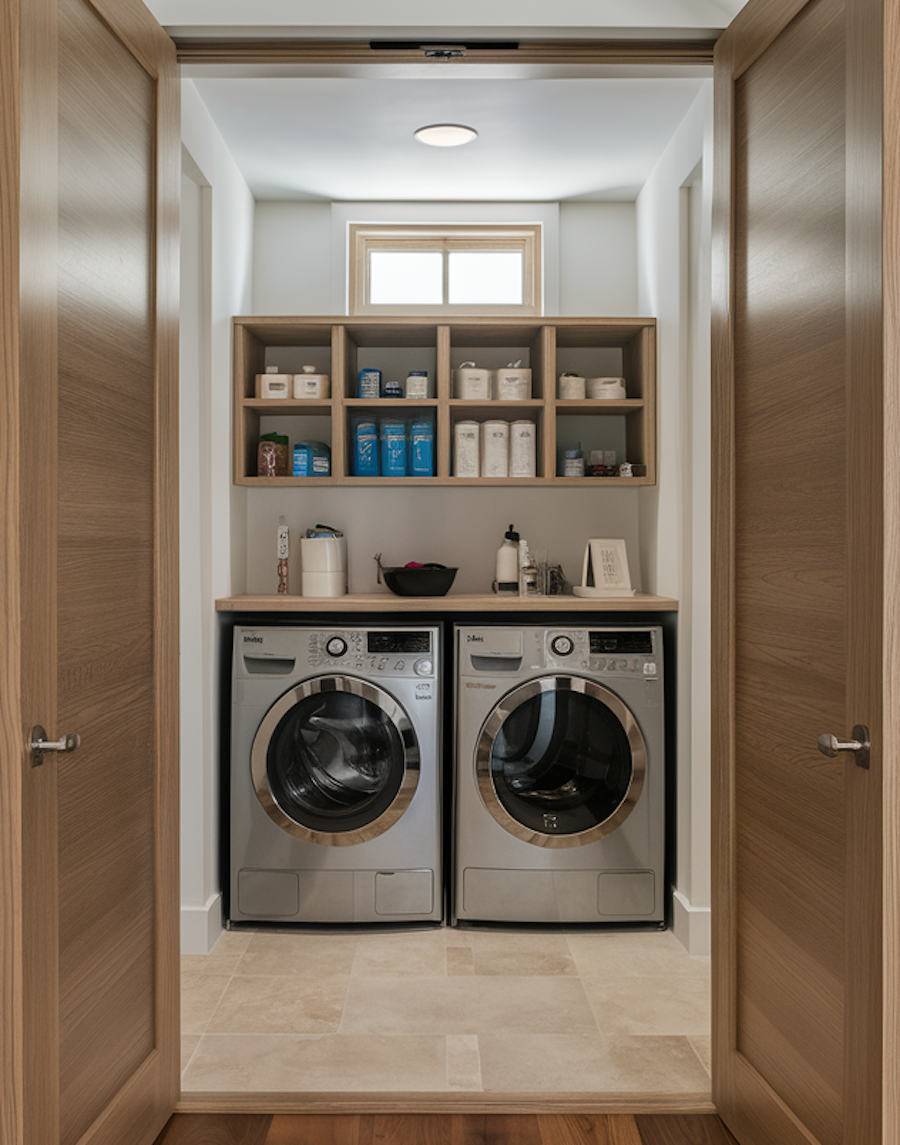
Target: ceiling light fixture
[[446, 134]]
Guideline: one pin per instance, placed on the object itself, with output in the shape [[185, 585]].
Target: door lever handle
[[39, 744], [830, 745]]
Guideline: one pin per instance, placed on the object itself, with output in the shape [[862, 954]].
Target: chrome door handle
[[830, 745], [39, 744]]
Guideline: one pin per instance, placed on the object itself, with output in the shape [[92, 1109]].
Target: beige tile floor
[[483, 1009]]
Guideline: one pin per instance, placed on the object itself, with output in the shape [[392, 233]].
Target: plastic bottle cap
[[512, 535]]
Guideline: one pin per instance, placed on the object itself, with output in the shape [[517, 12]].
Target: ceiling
[[464, 19], [538, 139], [345, 132]]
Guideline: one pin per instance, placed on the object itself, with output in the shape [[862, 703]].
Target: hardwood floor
[[445, 1129]]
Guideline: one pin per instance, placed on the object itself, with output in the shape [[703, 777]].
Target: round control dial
[[562, 645], [423, 667], [336, 646]]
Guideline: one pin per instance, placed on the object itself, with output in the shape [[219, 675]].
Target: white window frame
[[524, 237]]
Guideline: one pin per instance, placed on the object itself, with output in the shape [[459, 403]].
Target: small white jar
[[272, 385], [472, 383], [416, 385], [309, 384], [512, 384], [571, 387]]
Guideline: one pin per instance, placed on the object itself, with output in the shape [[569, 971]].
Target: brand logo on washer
[[490, 687], [471, 639], [252, 639]]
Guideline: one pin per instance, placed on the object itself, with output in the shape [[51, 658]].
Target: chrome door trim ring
[[259, 754], [504, 709]]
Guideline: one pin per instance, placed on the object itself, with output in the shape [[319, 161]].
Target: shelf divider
[[547, 375], [339, 428], [443, 431]]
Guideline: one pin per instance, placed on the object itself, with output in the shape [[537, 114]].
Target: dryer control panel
[[380, 652], [607, 651]]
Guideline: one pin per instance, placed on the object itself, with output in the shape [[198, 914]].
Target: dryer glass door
[[335, 761], [560, 762]]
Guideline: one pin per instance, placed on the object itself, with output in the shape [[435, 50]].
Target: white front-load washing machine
[[335, 783], [560, 774]]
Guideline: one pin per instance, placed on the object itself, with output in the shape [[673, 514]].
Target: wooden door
[[88, 839], [805, 511]]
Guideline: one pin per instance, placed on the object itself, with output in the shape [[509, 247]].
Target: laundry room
[[435, 1005]]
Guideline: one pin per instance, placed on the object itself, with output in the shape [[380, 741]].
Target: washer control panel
[[615, 652], [383, 652]]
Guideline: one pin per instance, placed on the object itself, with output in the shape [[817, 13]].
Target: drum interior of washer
[[335, 762], [561, 763]]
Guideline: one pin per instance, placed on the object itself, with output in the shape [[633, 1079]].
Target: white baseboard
[[690, 924], [201, 926]]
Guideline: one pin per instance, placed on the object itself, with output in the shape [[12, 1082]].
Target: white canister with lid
[[472, 383], [495, 449], [571, 387], [323, 566], [466, 449], [606, 388], [512, 384], [522, 449], [273, 385], [309, 384]]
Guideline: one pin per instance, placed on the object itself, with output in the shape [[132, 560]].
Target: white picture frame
[[605, 569]]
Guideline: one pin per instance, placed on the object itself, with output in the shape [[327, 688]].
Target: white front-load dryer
[[560, 774], [335, 784]]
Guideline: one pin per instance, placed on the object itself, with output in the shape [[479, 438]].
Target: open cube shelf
[[341, 347]]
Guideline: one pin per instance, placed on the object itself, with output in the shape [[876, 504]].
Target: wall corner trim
[[690, 924], [201, 926]]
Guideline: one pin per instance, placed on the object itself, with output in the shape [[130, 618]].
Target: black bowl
[[430, 580]]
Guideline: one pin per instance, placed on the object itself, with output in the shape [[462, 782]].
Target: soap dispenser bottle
[[506, 577]]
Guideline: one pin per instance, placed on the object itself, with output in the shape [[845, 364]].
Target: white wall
[[589, 254], [217, 237], [673, 257], [598, 249], [292, 258]]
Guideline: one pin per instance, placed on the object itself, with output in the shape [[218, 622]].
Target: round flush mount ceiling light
[[446, 134]]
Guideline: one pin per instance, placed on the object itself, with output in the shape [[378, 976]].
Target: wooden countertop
[[454, 602]]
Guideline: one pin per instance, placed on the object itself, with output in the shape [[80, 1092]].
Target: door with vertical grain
[[90, 233], [805, 580]]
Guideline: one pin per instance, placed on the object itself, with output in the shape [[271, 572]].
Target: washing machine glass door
[[560, 762], [335, 761]]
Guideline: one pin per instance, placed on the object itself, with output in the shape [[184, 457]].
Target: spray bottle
[[506, 576]]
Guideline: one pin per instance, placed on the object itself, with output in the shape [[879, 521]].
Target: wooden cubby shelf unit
[[340, 347]]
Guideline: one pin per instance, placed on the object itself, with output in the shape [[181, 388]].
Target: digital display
[[402, 642], [638, 643]]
